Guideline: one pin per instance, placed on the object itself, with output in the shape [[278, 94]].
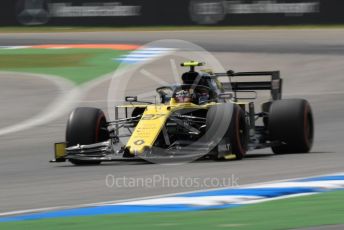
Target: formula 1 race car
[[203, 117]]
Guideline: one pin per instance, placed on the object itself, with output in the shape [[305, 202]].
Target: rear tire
[[291, 123], [86, 126], [236, 131]]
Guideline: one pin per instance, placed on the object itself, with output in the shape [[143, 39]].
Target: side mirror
[[163, 98], [230, 73], [131, 99]]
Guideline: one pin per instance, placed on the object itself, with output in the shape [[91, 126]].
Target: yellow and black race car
[[203, 117]]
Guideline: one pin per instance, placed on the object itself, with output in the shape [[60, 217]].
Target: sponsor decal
[[39, 12], [152, 116], [214, 11], [111, 9], [32, 12], [272, 7], [139, 142]]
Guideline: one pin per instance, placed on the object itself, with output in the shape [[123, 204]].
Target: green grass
[[48, 29], [315, 210], [76, 65], [39, 60]]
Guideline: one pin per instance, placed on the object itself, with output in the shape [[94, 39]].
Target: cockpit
[[186, 93]]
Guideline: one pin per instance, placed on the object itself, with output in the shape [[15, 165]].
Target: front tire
[[235, 133], [291, 123], [86, 126]]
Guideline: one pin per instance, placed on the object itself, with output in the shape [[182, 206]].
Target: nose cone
[[148, 129]]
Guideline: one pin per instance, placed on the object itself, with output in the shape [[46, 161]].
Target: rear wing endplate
[[274, 85]]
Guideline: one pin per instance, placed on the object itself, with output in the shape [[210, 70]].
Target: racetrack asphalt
[[311, 62]]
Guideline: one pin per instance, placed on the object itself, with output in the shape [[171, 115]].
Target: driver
[[202, 95], [183, 96]]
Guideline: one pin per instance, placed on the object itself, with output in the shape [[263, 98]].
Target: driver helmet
[[203, 96], [183, 96]]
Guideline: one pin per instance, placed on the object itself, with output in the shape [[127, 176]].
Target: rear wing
[[274, 85]]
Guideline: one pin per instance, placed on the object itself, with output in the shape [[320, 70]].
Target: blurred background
[[176, 12]]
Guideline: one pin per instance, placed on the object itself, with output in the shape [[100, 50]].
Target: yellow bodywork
[[152, 122]]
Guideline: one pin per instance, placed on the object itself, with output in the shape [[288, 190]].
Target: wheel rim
[[308, 127], [241, 134]]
